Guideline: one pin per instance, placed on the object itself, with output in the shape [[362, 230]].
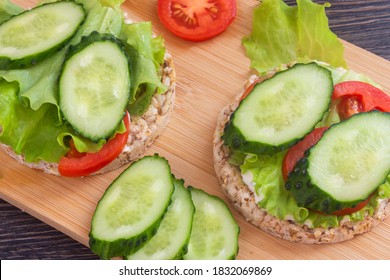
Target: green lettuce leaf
[[32, 133], [38, 84], [101, 17], [30, 118], [266, 174], [282, 34], [342, 75], [146, 55]]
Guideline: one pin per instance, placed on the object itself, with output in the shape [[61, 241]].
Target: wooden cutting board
[[209, 74]]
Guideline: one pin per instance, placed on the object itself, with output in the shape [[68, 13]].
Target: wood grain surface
[[209, 75]]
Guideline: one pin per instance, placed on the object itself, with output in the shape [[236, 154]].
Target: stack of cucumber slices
[[349, 162], [146, 213]]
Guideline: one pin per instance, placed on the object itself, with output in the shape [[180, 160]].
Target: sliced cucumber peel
[[33, 35], [281, 110], [346, 166]]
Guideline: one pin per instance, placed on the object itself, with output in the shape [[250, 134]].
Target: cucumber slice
[[281, 110], [214, 232], [348, 163], [31, 36], [132, 207], [94, 86], [171, 239]]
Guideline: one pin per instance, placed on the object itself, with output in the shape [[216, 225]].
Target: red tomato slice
[[196, 20], [296, 152], [355, 97], [76, 164]]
